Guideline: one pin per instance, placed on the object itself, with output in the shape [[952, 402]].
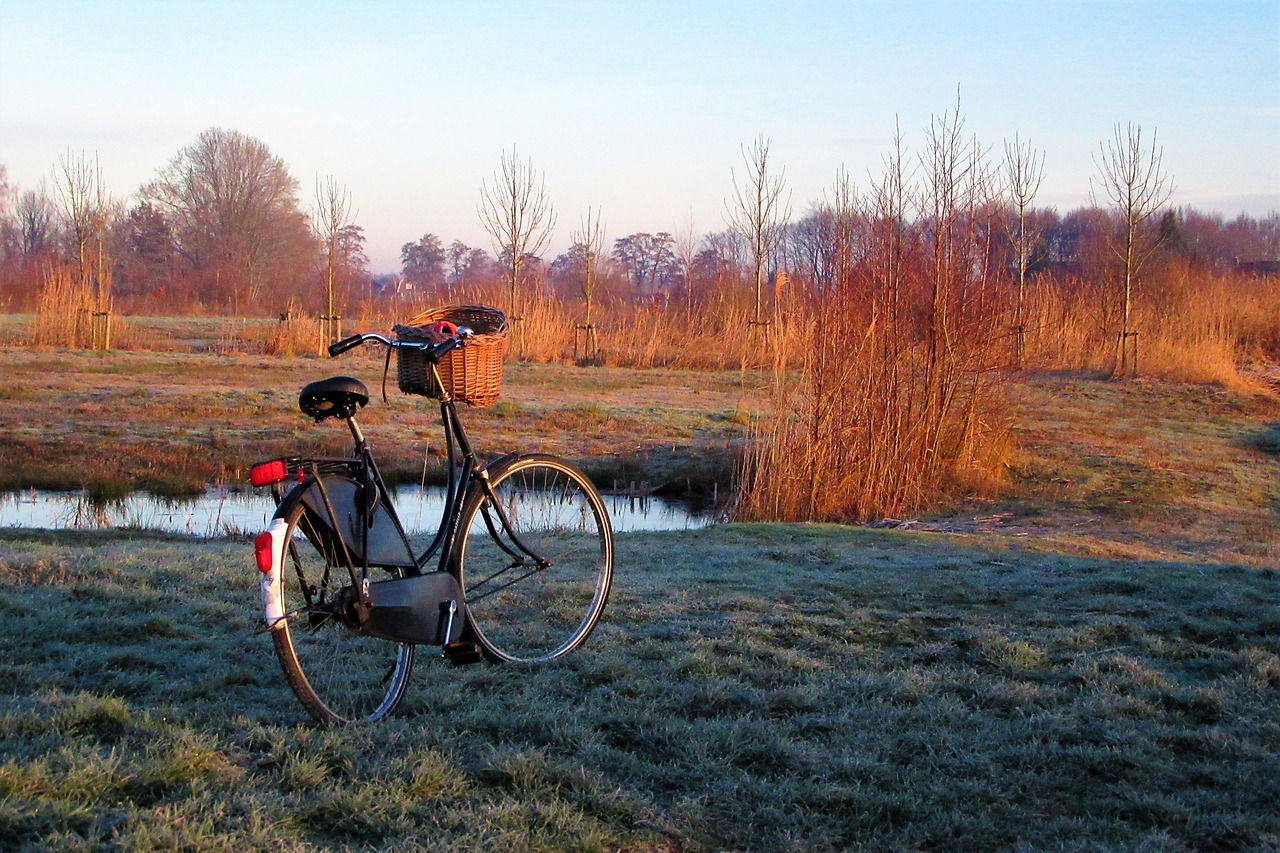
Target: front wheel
[[535, 558], [340, 676]]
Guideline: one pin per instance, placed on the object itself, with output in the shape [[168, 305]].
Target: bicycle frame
[[425, 606]]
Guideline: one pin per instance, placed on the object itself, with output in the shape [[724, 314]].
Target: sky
[[638, 109]]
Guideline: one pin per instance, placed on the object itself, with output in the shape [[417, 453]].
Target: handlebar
[[338, 347], [434, 351]]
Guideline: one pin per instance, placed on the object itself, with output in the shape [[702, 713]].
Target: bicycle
[[523, 554]]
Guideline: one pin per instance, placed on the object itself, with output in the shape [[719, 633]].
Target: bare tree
[[1023, 172], [590, 236], [759, 212], [330, 216], [686, 249], [36, 222], [456, 256], [958, 219], [10, 236], [28, 237], [649, 261], [87, 212], [887, 241], [76, 188], [1133, 180], [7, 193], [236, 215], [518, 215], [956, 187]]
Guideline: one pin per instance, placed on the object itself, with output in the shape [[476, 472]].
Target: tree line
[[224, 227]]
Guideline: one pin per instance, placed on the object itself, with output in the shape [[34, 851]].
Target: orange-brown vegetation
[[891, 320], [847, 407]]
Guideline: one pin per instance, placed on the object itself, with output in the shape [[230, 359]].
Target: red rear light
[[266, 473], [263, 546]]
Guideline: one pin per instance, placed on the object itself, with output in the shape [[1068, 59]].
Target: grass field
[[1089, 660], [753, 688], [173, 422]]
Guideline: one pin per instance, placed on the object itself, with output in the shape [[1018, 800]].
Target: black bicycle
[[523, 557]]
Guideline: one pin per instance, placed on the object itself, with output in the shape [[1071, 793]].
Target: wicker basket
[[473, 373]]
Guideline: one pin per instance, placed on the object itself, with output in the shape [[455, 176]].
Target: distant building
[[1265, 268]]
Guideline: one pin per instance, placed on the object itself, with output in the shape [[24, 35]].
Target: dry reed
[[293, 335], [63, 315], [856, 433], [1193, 326]]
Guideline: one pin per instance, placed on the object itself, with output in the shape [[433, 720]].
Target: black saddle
[[335, 397]]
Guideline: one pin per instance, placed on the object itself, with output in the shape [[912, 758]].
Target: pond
[[222, 511]]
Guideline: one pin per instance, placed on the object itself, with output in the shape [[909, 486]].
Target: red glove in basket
[[441, 331]]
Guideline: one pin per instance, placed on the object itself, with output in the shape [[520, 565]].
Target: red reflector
[[263, 545], [266, 473]]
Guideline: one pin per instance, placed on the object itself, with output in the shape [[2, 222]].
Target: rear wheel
[[535, 560], [340, 676]]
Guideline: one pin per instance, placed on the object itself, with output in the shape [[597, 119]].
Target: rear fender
[[269, 589], [272, 556]]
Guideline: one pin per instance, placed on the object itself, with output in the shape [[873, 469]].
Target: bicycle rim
[[521, 609], [339, 676]]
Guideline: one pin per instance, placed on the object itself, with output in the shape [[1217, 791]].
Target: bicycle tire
[[338, 675], [518, 611]]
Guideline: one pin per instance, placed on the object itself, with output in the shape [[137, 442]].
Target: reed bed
[[61, 311], [866, 423], [1193, 327]]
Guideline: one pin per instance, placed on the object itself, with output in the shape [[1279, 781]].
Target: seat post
[[356, 433]]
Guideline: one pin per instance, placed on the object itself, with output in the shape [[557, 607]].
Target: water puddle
[[222, 511]]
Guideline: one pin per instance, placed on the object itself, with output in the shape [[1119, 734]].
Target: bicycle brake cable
[[386, 366]]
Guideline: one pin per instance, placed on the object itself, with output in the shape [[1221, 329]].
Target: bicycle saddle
[[335, 397]]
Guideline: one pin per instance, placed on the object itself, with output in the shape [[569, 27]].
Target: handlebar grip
[[338, 347], [440, 350]]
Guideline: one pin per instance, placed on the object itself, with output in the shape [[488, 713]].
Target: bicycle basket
[[473, 373]]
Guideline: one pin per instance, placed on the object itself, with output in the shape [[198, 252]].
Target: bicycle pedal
[[461, 653]]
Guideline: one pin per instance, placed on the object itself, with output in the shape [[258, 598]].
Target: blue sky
[[637, 108]]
